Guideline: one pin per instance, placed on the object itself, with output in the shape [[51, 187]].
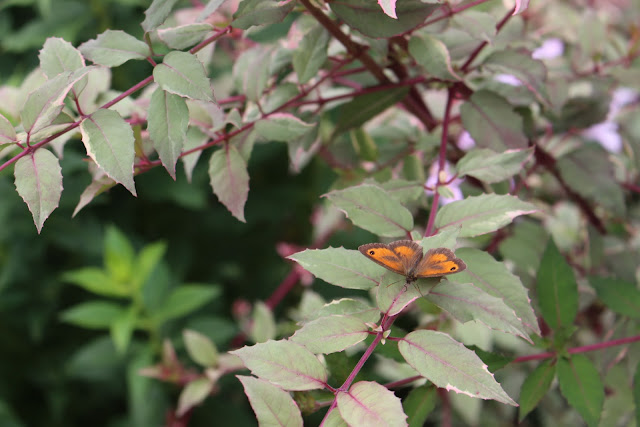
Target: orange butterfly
[[405, 257]]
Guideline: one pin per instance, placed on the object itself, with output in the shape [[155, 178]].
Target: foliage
[[508, 134]]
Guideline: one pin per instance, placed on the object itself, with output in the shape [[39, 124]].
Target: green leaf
[[285, 363], [147, 261], [38, 180], [122, 329], [491, 122], [535, 387], [282, 127], [368, 403], [156, 14], [620, 296], [450, 365], [341, 267], [272, 405], [186, 299], [420, 402], [93, 315], [532, 73], [200, 348], [183, 74], [97, 281], [636, 393], [466, 303], [348, 307], [491, 167], [371, 208], [494, 278], [331, 334], [432, 55], [482, 214], [193, 394], [168, 119], [557, 289], [109, 141], [403, 191], [99, 185], [184, 36], [580, 384], [361, 109], [590, 173], [260, 12], [311, 53], [57, 56], [113, 48], [45, 103], [263, 323], [119, 254], [394, 294], [230, 179], [211, 7], [195, 138], [363, 144], [367, 17]]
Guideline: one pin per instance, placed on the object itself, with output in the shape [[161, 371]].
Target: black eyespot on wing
[[372, 252], [454, 268]]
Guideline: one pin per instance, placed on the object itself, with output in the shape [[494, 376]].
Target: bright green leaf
[[122, 329], [186, 299], [93, 315]]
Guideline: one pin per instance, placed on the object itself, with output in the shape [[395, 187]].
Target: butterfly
[[405, 257]]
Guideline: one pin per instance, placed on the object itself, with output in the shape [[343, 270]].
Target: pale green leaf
[[494, 278], [466, 302], [420, 402], [432, 55], [113, 48], [156, 14], [349, 307], [95, 280], [491, 122], [45, 103], [251, 72], [168, 119], [57, 56], [479, 25], [184, 36], [450, 365], [230, 179], [7, 132], [311, 53], [482, 214], [98, 186], [263, 325], [260, 12], [371, 208], [183, 74], [272, 405], [287, 364], [331, 334], [282, 127], [195, 138], [491, 167], [581, 385], [122, 328], [211, 7], [394, 294], [368, 403], [200, 348], [193, 394], [109, 141], [341, 267], [532, 73], [38, 180]]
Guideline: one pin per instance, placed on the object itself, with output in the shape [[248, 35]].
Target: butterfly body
[[405, 257]]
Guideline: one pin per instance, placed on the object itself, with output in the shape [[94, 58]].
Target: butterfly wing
[[439, 262], [395, 256]]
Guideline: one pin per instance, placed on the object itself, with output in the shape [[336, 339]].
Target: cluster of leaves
[[413, 105]]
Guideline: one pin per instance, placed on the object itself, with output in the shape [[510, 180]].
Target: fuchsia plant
[[457, 124]]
